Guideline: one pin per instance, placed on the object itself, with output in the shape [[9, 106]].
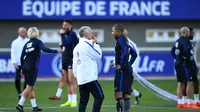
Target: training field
[[149, 103]]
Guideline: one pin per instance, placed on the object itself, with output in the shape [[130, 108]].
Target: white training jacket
[[135, 65], [86, 61], [16, 49]]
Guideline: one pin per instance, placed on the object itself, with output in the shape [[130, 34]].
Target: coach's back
[[85, 60]]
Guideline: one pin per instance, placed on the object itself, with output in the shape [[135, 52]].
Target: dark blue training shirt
[[31, 53], [182, 52], [122, 51], [69, 41]]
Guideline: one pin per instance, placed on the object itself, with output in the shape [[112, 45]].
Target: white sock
[[184, 99], [135, 93], [189, 101], [180, 101], [59, 92], [33, 103], [74, 98], [196, 98], [70, 98], [21, 101]]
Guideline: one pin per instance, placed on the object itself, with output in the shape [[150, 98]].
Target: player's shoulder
[[15, 41]]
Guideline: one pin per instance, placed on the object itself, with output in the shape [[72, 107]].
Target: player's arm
[[22, 56], [45, 49], [177, 52], [133, 54], [94, 51], [124, 51], [75, 58], [13, 53]]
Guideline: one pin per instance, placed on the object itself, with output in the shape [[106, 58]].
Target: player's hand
[[111, 65], [94, 39], [22, 74], [59, 50], [16, 66], [118, 67], [62, 31]]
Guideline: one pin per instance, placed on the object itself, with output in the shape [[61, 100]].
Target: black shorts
[[123, 80], [30, 76], [67, 64], [193, 75], [183, 74]]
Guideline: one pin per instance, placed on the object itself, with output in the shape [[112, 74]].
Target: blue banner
[[149, 64], [100, 9]]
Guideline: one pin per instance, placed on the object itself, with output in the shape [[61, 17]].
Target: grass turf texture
[[149, 103]]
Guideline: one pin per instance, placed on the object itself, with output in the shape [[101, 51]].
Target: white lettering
[[114, 6], [108, 60], [65, 7], [6, 66], [57, 8], [49, 10], [123, 6], [154, 8], [2, 65], [90, 8], [145, 8], [38, 9], [152, 65], [160, 66], [101, 8], [134, 9], [27, 8], [76, 8], [165, 8], [10, 67]]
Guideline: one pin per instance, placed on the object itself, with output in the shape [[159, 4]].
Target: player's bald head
[[185, 31], [125, 33], [22, 32], [21, 29]]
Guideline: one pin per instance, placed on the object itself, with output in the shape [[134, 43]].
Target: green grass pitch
[[149, 103]]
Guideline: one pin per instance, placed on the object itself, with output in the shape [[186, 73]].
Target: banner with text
[[149, 64], [100, 9]]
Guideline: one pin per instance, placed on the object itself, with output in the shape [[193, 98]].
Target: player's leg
[[30, 79], [84, 98], [33, 101], [65, 74], [118, 90], [127, 103], [96, 90], [137, 94], [127, 86], [61, 85], [180, 79], [72, 88], [184, 98], [196, 88], [18, 82]]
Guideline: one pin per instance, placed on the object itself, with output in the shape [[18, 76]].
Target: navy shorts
[[183, 74], [30, 76], [67, 64], [123, 80]]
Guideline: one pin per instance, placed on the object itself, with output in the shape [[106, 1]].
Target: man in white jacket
[[16, 50], [87, 54]]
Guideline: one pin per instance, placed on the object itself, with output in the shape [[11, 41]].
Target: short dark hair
[[191, 29], [68, 21], [118, 27]]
